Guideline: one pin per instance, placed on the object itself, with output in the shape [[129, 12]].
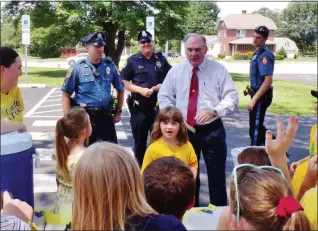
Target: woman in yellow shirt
[[11, 100], [169, 137]]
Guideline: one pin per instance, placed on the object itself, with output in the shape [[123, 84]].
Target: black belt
[[96, 111]]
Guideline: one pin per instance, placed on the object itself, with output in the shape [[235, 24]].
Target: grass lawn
[[299, 59], [289, 97], [34, 58]]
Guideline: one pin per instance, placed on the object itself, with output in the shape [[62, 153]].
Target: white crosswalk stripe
[[50, 136]]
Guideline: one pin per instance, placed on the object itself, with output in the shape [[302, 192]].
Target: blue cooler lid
[[15, 142]]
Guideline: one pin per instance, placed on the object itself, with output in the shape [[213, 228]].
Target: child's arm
[[193, 162], [310, 180], [276, 149], [194, 172], [149, 157]]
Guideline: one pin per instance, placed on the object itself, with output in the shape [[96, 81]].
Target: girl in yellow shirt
[[169, 137]]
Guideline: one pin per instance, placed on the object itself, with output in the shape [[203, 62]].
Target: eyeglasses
[[234, 173], [147, 41]]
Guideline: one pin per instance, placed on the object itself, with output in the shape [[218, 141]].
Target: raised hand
[[284, 139]]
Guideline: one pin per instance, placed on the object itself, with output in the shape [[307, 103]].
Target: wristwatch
[[215, 112]]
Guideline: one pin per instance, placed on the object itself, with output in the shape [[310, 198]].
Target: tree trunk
[[120, 46], [111, 49]]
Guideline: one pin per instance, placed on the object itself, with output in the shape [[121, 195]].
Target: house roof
[[249, 40], [247, 21], [287, 43]]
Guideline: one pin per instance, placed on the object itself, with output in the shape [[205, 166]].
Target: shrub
[[244, 56], [237, 56], [295, 56], [249, 55], [282, 52], [221, 56], [279, 57]]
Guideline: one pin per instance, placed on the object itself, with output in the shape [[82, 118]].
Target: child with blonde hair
[[169, 137], [74, 126], [109, 193]]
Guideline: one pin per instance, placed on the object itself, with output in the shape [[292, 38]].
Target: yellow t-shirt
[[160, 149], [313, 141], [12, 106], [309, 203], [301, 170]]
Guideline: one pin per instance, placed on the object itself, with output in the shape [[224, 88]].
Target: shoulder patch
[[69, 72], [264, 60], [108, 59]]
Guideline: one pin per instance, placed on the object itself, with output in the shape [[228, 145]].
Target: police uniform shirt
[[145, 72], [262, 64], [216, 88], [92, 85]]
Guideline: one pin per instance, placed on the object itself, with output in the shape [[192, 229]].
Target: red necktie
[[193, 97]]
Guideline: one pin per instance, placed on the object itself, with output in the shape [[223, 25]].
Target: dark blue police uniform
[[146, 73], [92, 86], [262, 64]]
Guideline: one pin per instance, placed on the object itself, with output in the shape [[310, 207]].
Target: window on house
[[240, 33]]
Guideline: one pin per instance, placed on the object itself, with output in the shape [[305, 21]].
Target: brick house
[[235, 32]]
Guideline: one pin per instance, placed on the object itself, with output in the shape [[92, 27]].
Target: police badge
[[158, 64], [108, 70]]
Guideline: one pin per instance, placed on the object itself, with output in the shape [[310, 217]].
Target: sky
[[236, 7]]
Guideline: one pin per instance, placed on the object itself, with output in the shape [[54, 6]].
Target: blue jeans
[[211, 140]]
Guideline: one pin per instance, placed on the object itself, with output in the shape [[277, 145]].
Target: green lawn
[[299, 59], [289, 97], [34, 58]]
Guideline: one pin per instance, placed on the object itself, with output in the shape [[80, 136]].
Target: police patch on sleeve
[[69, 72], [264, 60]]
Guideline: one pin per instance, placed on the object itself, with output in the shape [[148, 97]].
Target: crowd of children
[[108, 190]]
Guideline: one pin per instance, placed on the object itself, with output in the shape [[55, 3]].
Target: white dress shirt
[[216, 88]]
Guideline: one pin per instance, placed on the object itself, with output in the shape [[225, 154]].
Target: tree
[[63, 24], [201, 18], [272, 14], [299, 23]]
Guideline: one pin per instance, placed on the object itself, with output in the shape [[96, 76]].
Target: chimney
[[243, 11]]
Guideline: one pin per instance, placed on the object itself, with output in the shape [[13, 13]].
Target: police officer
[[91, 80], [143, 76], [261, 90]]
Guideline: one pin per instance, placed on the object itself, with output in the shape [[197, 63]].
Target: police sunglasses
[[145, 41], [234, 173], [259, 29]]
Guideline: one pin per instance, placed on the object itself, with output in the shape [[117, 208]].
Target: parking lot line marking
[[55, 96], [53, 100], [44, 123], [52, 105], [40, 112], [50, 136], [39, 103]]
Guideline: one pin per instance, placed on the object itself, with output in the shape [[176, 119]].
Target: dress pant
[[103, 128], [211, 140], [257, 129]]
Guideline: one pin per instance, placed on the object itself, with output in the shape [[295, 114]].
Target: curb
[[32, 85]]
